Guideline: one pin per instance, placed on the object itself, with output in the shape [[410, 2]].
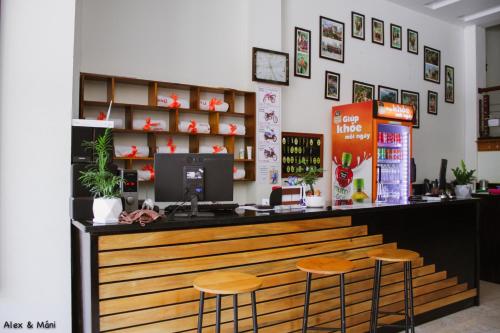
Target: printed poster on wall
[[268, 134]]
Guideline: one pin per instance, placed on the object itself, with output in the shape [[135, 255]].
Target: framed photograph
[[449, 84], [412, 98], [357, 25], [432, 102], [332, 85], [362, 92], [396, 38], [386, 94], [412, 41], [432, 65], [377, 31], [302, 63], [269, 66], [331, 37]]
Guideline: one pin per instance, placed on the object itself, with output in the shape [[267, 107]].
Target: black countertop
[[242, 216]]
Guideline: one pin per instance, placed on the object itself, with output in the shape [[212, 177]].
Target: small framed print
[[357, 25], [362, 92], [302, 62], [432, 102], [412, 40], [377, 31], [269, 66], [412, 98], [386, 94], [432, 65], [332, 85], [331, 37], [396, 38], [449, 84]]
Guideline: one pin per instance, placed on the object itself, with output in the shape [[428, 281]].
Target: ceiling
[[485, 13]]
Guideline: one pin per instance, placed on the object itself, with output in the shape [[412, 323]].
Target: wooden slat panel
[[130, 272], [208, 248], [164, 283], [323, 288], [127, 241]]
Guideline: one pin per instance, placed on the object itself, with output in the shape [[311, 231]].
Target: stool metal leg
[[200, 312], [410, 287], [254, 313], [235, 306], [217, 313], [406, 297], [375, 296], [306, 303], [342, 304]]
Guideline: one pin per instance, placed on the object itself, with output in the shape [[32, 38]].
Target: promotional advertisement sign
[[352, 148], [394, 111]]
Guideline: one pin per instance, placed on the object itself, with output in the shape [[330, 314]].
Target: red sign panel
[[394, 111]]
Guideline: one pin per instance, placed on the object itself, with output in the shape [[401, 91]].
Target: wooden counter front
[[142, 282]]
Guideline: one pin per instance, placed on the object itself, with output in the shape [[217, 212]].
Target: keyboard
[[205, 207]]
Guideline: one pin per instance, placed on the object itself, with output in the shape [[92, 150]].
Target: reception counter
[[128, 278]]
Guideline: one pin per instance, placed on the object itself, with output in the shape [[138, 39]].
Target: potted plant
[[101, 182], [463, 178], [313, 196]]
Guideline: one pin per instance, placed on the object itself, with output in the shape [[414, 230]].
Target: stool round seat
[[325, 265], [227, 283], [393, 255]]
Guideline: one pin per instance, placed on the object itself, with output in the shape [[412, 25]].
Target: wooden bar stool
[[393, 255], [227, 283], [325, 266]]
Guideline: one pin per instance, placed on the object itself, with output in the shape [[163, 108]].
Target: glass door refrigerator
[[371, 151]]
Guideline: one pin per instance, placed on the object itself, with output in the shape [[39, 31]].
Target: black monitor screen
[[171, 173]]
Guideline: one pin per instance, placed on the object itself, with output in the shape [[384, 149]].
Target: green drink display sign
[[300, 151]]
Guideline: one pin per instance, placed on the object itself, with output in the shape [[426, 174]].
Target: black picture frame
[[374, 40], [353, 14], [429, 67], [299, 51], [449, 84], [255, 77], [327, 95], [432, 108], [381, 94], [408, 39], [321, 32], [366, 85], [416, 117], [395, 46]]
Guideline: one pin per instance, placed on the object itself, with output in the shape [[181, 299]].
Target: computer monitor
[[193, 177]]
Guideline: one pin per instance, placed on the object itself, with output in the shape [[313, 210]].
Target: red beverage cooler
[[371, 151]]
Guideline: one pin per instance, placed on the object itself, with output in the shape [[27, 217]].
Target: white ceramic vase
[[315, 201], [107, 210], [463, 191]]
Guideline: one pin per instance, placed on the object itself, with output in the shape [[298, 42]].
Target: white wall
[[36, 55], [171, 41]]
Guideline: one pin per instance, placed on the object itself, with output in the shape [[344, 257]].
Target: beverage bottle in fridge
[[343, 181]]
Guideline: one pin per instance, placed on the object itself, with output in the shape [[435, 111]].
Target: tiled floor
[[481, 319]]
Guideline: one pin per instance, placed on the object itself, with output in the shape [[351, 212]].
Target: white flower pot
[[315, 201], [107, 210], [463, 191]]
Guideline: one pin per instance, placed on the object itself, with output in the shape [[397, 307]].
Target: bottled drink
[[359, 195], [343, 180]]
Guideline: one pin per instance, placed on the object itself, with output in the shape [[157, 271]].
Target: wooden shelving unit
[[96, 92]]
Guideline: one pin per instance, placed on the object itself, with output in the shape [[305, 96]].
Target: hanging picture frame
[[357, 26], [412, 41], [387, 94], [432, 65], [449, 84], [302, 62], [332, 38], [377, 31], [332, 85], [432, 102], [412, 98], [362, 92], [396, 37]]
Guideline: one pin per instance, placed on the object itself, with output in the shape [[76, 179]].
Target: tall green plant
[[97, 178], [462, 175], [310, 177]]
